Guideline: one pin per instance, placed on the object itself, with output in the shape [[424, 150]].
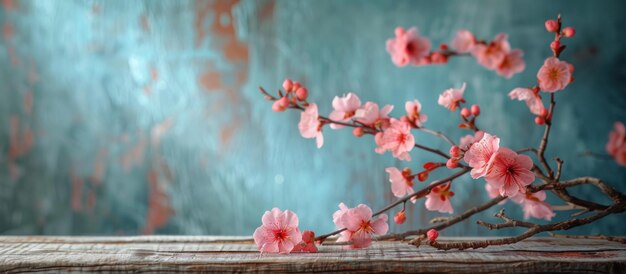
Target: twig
[[544, 140], [438, 134]]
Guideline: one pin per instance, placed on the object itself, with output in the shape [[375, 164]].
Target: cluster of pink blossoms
[[616, 147], [359, 224], [409, 48]]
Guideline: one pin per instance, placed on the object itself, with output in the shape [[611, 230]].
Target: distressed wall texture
[[142, 117]]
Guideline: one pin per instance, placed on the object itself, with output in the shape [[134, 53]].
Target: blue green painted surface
[[107, 76]]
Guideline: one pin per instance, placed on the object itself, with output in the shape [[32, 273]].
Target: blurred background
[[144, 117]]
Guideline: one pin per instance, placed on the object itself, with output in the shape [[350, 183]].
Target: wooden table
[[237, 254]]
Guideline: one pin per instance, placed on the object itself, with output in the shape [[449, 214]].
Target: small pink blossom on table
[[414, 113], [451, 98], [479, 156], [310, 126], [510, 172], [344, 108], [534, 205], [359, 225], [397, 138], [307, 244], [464, 41], [279, 232], [432, 234], [408, 47], [554, 75], [532, 98], [439, 199]]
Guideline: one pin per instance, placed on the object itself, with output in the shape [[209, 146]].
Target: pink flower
[[479, 155], [468, 140], [310, 126], [554, 75], [413, 113], [408, 47], [439, 199], [533, 100], [279, 232], [510, 172], [397, 138], [492, 55], [464, 41], [401, 182], [344, 109], [359, 225], [511, 64], [307, 244], [369, 114], [617, 139], [451, 98], [534, 205]]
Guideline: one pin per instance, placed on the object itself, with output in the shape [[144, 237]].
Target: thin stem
[[438, 134], [544, 140]]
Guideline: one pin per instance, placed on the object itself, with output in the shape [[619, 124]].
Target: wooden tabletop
[[238, 254]]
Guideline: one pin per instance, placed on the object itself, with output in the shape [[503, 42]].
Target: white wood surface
[[238, 254]]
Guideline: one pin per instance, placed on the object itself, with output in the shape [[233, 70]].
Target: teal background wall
[[142, 117]]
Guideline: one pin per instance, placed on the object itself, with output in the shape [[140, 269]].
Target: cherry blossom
[[532, 98], [451, 98], [491, 56], [510, 172], [408, 47], [479, 155], [310, 126], [397, 138], [464, 41], [554, 75], [279, 232], [359, 225], [307, 244], [534, 206], [344, 109], [439, 199], [466, 141], [511, 64], [414, 115], [370, 115], [401, 181]]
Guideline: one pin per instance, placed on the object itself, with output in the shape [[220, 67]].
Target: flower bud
[[455, 151], [475, 110], [465, 112], [302, 93], [540, 120], [296, 86], [358, 131], [555, 45], [287, 85], [443, 46], [281, 104], [569, 32], [452, 163], [552, 26], [432, 235], [400, 217]]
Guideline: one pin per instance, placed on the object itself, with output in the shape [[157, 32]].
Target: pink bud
[[569, 32], [544, 112], [443, 46], [475, 110], [281, 104], [358, 131], [287, 85], [455, 151], [552, 26], [452, 163], [399, 31], [302, 93], [438, 58], [540, 120], [555, 45], [296, 85], [400, 217], [432, 235], [308, 236], [465, 112]]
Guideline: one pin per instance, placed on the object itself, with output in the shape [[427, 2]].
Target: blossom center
[[366, 226], [553, 74], [401, 138], [280, 234]]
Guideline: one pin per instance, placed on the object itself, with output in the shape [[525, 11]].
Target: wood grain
[[239, 254]]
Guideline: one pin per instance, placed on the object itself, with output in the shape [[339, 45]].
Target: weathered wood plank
[[238, 254]]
